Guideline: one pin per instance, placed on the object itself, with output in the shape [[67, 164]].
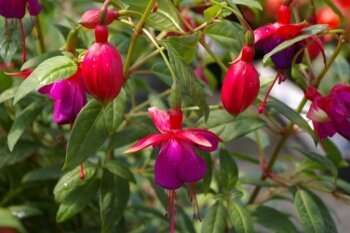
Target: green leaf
[[43, 174], [75, 202], [113, 113], [227, 34], [49, 71], [248, 3], [8, 220], [215, 219], [23, 150], [8, 94], [320, 159], [127, 135], [120, 170], [228, 128], [333, 153], [308, 213], [22, 121], [35, 61], [326, 215], [185, 221], [305, 33], [272, 219], [114, 196], [290, 114], [209, 175], [71, 181], [88, 134], [228, 170], [240, 218], [188, 82], [185, 46], [25, 211], [212, 12]]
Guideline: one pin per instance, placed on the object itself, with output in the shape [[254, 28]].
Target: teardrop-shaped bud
[[241, 84], [103, 68], [90, 19]]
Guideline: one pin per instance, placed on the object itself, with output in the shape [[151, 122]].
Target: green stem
[[41, 42], [212, 54], [135, 36], [145, 59], [129, 12]]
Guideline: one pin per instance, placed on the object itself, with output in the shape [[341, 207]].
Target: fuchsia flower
[[331, 113], [16, 8], [90, 19], [241, 84], [178, 162], [103, 68], [69, 98], [269, 37]]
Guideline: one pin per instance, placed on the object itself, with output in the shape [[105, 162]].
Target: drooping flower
[[68, 96], [241, 84], [269, 37], [16, 8], [103, 68], [178, 162], [90, 19], [331, 113]]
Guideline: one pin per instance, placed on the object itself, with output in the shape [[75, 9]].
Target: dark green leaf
[[305, 33], [22, 121], [113, 113], [333, 153], [187, 79], [8, 220], [309, 213], [228, 170], [215, 219], [272, 219], [43, 174], [290, 114], [209, 175], [248, 3], [185, 221], [120, 170], [88, 134], [114, 196], [229, 128], [320, 159], [49, 71], [227, 34], [240, 218], [25, 211], [127, 135], [23, 150], [75, 202]]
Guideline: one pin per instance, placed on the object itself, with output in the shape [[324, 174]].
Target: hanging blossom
[[330, 114], [15, 9], [68, 96], [178, 162]]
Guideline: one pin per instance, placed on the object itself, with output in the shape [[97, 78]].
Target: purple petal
[[161, 119], [193, 167], [324, 129], [211, 137], [167, 164], [45, 89], [34, 7], [12, 8]]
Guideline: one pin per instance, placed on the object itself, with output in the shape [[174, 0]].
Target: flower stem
[[135, 36], [212, 54], [41, 44]]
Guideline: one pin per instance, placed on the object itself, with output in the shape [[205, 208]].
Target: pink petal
[[193, 137], [263, 33], [211, 137], [161, 119], [167, 164], [193, 167], [153, 139]]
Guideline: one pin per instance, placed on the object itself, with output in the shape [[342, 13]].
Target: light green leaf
[[215, 219], [212, 12], [240, 218], [228, 128], [248, 3], [308, 213], [228, 170], [120, 170], [305, 33], [8, 220], [113, 113], [25, 211], [35, 61], [114, 195], [49, 71], [185, 46], [8, 94], [88, 134], [22, 121]]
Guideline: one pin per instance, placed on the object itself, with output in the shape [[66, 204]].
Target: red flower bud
[[241, 84], [90, 19], [103, 68]]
